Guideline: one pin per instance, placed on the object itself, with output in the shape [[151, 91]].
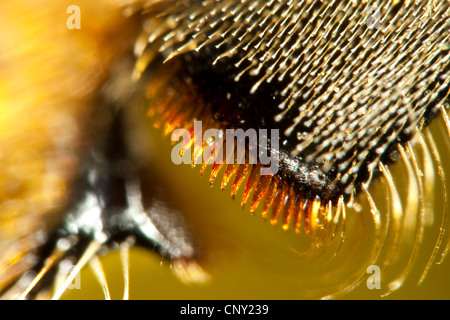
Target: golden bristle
[[270, 197], [284, 202], [230, 170], [239, 178], [216, 167], [327, 94], [298, 216], [278, 203], [261, 190], [289, 208], [307, 216], [251, 183]]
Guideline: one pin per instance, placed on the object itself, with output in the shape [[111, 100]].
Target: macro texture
[[351, 87]]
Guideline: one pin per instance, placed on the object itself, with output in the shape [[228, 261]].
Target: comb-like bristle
[[398, 62], [261, 190], [251, 183], [239, 178], [214, 172], [278, 203], [173, 123], [345, 95], [289, 208], [282, 200], [270, 197], [163, 117], [307, 216], [204, 167], [316, 210], [230, 170], [298, 216]]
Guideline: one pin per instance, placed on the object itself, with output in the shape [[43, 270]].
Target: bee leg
[[114, 200]]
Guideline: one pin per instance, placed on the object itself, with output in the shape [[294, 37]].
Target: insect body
[[348, 97]]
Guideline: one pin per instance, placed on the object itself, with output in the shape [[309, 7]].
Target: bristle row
[[356, 78], [275, 199]]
